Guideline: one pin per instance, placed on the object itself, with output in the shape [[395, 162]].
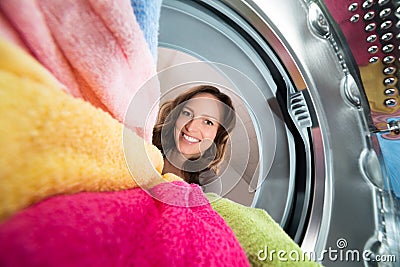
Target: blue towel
[[390, 152], [147, 14]]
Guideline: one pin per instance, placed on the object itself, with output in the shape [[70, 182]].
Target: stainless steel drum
[[312, 159]]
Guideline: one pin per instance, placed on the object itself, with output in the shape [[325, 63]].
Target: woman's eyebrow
[[208, 116], [202, 115], [186, 107]]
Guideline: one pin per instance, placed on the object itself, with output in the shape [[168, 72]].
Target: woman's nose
[[193, 125]]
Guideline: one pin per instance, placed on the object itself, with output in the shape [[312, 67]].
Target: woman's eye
[[186, 113], [209, 123]]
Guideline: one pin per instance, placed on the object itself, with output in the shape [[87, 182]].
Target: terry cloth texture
[[148, 16], [260, 236], [52, 143], [95, 48], [124, 228]]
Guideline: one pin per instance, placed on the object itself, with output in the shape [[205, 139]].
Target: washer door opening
[[287, 153]]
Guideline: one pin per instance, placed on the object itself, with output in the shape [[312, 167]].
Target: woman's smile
[[190, 139]]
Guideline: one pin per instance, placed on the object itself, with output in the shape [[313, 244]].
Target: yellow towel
[[52, 143], [372, 76]]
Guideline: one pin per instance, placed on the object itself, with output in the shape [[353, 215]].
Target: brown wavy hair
[[164, 129]]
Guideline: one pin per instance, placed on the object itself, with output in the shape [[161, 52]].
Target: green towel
[[264, 241]]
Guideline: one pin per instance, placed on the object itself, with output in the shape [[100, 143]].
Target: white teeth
[[190, 139]]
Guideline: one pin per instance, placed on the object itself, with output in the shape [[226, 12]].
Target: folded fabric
[[124, 228], [147, 14], [260, 236], [52, 143], [95, 48]]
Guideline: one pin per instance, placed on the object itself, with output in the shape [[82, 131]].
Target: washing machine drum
[[298, 110]]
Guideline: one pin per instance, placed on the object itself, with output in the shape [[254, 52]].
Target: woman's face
[[197, 124]]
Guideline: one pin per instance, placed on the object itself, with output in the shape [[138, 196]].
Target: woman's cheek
[[206, 144]]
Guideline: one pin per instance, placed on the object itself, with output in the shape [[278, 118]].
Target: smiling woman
[[193, 131]]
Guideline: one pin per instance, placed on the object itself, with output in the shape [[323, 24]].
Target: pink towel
[[94, 47], [124, 228], [354, 32]]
